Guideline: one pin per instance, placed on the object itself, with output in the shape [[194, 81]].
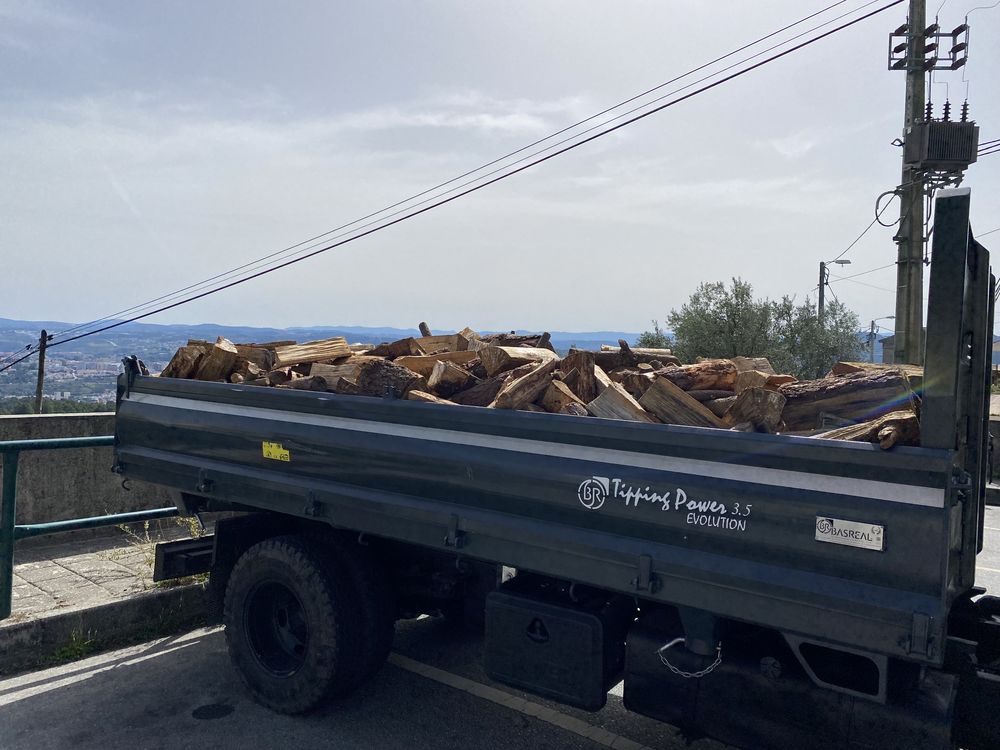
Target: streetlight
[[871, 336], [824, 279]]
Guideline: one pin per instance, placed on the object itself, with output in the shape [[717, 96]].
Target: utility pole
[[910, 237], [43, 341], [822, 290]]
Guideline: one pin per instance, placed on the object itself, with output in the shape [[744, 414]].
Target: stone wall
[[72, 482]]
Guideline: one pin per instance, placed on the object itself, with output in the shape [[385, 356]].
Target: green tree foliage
[[721, 321]]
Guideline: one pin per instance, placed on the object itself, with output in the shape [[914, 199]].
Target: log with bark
[[759, 407], [710, 375], [585, 386], [498, 359], [184, 363], [857, 396], [625, 356], [447, 379], [219, 362], [894, 428], [558, 396], [521, 391], [381, 377]]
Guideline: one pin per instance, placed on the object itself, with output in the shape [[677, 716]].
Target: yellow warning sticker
[[275, 451]]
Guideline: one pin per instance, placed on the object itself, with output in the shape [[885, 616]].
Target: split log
[[498, 359], [262, 357], [719, 406], [557, 396], [384, 378], [710, 375], [894, 428], [759, 406], [525, 389], [349, 368], [484, 393], [576, 410], [279, 377], [583, 362], [344, 387], [636, 381], [400, 348], [427, 398], [514, 339], [246, 369], [750, 379], [312, 351], [776, 381], [311, 383], [447, 378], [218, 364], [704, 396], [616, 403], [601, 380], [435, 344], [236, 378], [628, 357], [762, 364], [184, 363], [856, 396], [673, 406], [641, 350], [424, 363], [571, 379], [531, 407]]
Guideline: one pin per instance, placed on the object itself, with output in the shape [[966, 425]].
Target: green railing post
[[7, 514]]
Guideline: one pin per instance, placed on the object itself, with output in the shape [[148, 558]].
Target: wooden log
[[426, 398], [484, 392], [273, 344], [672, 405], [236, 378], [759, 406], [557, 396], [914, 373], [719, 406], [350, 368], [312, 351], [776, 381], [601, 380], [750, 379], [381, 377], [447, 379], [643, 350], [344, 387], [572, 379], [704, 396], [628, 357], [514, 339], [246, 369], [184, 363], [856, 396], [435, 344], [615, 403], [401, 348], [576, 410], [761, 364], [497, 359], [262, 357], [218, 364], [710, 375], [894, 428], [634, 381], [279, 377], [311, 383], [260, 382], [531, 407], [424, 364], [583, 362], [425, 330], [523, 390]]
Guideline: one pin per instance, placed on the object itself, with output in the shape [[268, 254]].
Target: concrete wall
[[73, 482]]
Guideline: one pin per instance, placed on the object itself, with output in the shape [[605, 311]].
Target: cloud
[[25, 22]]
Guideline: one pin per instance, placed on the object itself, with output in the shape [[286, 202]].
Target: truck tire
[[376, 600], [291, 625]]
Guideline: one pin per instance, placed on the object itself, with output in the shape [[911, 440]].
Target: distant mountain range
[[133, 337]]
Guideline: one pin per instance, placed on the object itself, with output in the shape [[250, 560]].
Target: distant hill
[[151, 339]]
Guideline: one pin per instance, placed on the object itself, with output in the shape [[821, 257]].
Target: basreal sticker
[[850, 533]]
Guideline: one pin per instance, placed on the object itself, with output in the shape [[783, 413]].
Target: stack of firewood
[[855, 401]]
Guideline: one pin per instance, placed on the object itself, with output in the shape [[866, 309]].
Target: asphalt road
[[182, 693]]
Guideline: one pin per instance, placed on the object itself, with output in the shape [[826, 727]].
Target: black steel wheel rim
[[276, 628]]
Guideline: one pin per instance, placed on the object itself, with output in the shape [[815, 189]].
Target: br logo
[[593, 492]]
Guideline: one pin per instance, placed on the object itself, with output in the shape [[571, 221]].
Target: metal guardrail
[[10, 532]]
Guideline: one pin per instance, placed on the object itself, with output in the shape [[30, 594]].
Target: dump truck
[[769, 591]]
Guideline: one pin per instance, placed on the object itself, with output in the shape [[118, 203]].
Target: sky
[[147, 146]]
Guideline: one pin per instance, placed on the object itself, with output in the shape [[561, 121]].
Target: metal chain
[[662, 653]]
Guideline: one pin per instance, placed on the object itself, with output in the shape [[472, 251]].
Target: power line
[[875, 221], [989, 232], [864, 273], [475, 188], [473, 171], [855, 281]]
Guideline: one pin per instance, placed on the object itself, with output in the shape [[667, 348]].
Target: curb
[[68, 636]]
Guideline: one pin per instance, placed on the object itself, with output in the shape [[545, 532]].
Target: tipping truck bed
[[841, 544]]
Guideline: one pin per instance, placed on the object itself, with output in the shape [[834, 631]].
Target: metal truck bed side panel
[[833, 540]]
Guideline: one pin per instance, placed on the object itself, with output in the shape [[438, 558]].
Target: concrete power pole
[[910, 238]]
